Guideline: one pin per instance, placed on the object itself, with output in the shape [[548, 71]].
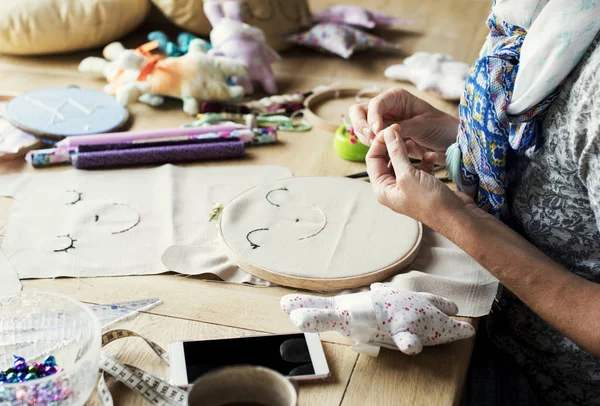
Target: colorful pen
[[55, 156], [133, 136]]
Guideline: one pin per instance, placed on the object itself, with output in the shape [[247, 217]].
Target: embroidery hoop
[[338, 100], [312, 283]]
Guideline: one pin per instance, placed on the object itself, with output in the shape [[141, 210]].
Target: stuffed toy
[[437, 73], [118, 66], [136, 75], [340, 39], [174, 49], [232, 38], [385, 317], [356, 16]]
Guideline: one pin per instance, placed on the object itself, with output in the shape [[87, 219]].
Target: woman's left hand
[[411, 191]]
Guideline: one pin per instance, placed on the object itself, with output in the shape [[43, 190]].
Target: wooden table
[[194, 308]]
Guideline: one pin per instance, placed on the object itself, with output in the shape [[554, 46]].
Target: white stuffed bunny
[[437, 73], [386, 316]]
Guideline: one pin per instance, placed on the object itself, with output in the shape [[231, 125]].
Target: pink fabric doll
[[236, 40]]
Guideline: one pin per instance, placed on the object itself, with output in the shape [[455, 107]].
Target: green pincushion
[[348, 146]]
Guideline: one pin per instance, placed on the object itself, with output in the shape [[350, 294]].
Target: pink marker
[[140, 136]]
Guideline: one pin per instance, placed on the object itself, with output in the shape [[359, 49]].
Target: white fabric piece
[[558, 34], [437, 73], [440, 268], [123, 222], [317, 228], [9, 280], [445, 270]]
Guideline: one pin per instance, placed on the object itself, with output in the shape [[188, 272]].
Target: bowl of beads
[[49, 350]]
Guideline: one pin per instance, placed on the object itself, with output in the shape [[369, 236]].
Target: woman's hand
[[411, 191], [429, 128]]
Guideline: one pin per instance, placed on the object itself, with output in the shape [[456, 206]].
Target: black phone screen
[[288, 354]]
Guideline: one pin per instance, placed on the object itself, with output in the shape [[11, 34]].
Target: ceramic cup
[[243, 385]]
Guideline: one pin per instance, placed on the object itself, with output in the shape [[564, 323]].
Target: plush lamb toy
[[193, 77], [232, 38], [384, 317], [120, 67], [438, 73], [115, 67]]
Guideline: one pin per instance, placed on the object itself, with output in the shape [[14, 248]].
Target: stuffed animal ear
[[213, 11], [233, 9]]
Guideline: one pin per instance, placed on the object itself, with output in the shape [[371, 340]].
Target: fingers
[[414, 150], [396, 150], [358, 117], [380, 174], [447, 306], [318, 320], [292, 302], [428, 162], [408, 343], [392, 101]]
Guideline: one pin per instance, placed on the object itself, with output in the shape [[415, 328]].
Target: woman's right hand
[[428, 128]]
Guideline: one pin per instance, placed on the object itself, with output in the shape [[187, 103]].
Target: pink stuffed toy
[[236, 40]]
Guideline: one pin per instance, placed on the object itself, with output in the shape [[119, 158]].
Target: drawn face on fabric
[[124, 220], [294, 221], [97, 218], [341, 228]]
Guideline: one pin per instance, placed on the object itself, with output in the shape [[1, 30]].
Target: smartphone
[[297, 356]]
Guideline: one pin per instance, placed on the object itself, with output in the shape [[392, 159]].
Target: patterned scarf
[[492, 127]]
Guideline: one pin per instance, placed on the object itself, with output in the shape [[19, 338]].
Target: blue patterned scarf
[[488, 136]]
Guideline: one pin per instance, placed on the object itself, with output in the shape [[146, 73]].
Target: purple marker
[[120, 155]]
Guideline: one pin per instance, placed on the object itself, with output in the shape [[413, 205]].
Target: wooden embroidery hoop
[[337, 105], [321, 284]]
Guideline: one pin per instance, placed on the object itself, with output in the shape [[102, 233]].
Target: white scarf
[[558, 34]]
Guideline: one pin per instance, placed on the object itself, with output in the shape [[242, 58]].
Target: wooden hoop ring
[[313, 101]]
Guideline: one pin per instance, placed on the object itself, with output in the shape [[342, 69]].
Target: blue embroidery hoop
[[56, 113]]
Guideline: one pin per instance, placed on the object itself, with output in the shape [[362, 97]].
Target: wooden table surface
[[194, 308]]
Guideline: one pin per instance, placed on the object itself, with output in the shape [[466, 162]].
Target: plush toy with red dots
[[385, 317], [348, 146]]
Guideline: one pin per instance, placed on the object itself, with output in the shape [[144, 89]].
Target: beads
[[21, 372]]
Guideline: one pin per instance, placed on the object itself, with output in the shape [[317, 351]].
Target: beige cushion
[[29, 27], [277, 18]]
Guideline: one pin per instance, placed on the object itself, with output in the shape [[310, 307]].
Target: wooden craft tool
[[324, 109]]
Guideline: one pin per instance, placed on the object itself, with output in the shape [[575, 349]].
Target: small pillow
[[30, 27], [276, 18], [342, 40]]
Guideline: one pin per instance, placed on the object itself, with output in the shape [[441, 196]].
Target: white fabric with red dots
[[386, 316]]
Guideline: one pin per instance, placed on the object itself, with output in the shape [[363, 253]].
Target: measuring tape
[[153, 389]]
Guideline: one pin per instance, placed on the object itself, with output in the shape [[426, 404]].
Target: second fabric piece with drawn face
[[317, 233]]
